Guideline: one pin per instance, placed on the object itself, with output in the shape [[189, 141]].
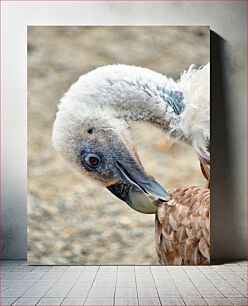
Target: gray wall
[[227, 20]]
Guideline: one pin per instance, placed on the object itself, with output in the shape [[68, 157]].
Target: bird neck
[[139, 94]]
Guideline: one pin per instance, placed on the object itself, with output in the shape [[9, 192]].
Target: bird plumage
[[182, 227], [195, 121]]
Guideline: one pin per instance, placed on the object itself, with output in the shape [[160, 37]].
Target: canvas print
[[118, 145]]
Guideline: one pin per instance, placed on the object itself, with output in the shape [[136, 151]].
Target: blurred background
[[72, 220]]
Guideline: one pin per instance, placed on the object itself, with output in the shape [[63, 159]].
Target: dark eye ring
[[92, 160]]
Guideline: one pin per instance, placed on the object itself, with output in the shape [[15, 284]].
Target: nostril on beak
[[124, 190]]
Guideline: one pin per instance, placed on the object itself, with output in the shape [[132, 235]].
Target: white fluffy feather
[[195, 120]]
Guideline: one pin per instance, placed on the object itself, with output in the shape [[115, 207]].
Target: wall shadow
[[222, 198]]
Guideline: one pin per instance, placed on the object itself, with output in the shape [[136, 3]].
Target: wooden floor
[[123, 285]]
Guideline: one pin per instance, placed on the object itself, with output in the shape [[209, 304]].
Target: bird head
[[100, 145]]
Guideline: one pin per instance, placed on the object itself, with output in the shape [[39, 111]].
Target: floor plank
[[123, 285]]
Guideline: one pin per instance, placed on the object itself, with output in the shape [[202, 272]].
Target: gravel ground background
[[71, 220]]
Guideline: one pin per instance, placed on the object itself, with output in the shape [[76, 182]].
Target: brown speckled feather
[[182, 233]]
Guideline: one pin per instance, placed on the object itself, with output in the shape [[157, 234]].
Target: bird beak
[[138, 190]]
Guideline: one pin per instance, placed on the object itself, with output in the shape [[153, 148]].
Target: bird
[[92, 131]]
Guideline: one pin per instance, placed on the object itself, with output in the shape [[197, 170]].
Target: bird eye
[[92, 160], [91, 130]]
